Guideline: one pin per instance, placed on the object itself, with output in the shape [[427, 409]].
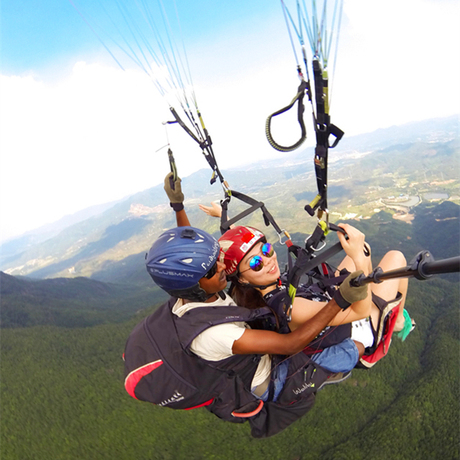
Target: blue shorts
[[279, 374], [338, 358]]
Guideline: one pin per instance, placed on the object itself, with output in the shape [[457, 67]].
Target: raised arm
[[214, 210], [176, 199], [304, 309], [354, 248]]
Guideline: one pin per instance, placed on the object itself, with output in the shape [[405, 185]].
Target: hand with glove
[[174, 192], [348, 294]]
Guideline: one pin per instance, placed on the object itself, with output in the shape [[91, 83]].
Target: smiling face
[[269, 272], [216, 283]]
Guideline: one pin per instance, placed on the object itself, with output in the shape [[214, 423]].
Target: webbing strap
[[300, 110], [323, 129], [205, 145], [306, 261], [225, 223]]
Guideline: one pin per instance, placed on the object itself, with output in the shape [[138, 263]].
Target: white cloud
[[90, 136], [88, 139], [399, 61]]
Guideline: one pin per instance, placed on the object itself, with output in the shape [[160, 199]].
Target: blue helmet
[[179, 258]]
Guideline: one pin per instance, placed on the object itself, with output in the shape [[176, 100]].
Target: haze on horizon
[[77, 131]]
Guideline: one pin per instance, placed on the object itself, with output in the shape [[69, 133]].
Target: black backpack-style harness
[[161, 369]]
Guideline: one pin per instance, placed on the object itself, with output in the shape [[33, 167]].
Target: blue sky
[[76, 130]]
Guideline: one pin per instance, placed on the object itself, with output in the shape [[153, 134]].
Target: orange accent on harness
[[249, 414]]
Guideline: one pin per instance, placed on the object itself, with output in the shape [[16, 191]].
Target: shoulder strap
[[197, 320], [279, 301]]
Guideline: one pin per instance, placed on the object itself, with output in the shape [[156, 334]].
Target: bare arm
[[303, 310], [182, 218], [214, 210], [354, 248], [268, 342], [356, 259]]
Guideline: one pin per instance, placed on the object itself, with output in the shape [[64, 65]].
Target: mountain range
[[110, 242]]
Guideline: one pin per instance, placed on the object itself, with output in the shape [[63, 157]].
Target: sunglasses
[[212, 271], [256, 263]]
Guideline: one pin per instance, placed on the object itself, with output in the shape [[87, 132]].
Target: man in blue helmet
[[183, 262]]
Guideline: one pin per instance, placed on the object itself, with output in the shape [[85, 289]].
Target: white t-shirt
[[216, 342]]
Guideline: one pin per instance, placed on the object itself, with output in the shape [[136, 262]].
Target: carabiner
[[286, 234]]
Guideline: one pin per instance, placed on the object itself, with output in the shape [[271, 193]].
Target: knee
[[360, 348], [396, 258]]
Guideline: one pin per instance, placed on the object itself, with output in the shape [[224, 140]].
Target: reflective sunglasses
[[212, 271], [256, 263]]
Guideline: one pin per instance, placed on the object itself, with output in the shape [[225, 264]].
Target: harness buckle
[[289, 313], [312, 247]]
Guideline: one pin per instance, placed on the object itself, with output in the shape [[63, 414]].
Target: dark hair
[[246, 296], [250, 298]]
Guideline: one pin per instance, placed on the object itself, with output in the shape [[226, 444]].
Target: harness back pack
[[161, 369]]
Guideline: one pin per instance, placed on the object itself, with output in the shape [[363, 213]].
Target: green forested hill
[[69, 302], [62, 394], [63, 398]]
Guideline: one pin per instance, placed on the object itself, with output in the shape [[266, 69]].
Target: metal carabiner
[[280, 236]]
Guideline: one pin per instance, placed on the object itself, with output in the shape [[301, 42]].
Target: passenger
[[253, 285]]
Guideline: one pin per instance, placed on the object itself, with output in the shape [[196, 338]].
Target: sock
[[408, 326]]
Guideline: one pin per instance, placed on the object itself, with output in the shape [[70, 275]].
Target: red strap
[[207, 403], [384, 344], [249, 414]]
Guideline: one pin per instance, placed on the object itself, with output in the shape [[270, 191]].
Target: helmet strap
[[195, 293], [259, 286]]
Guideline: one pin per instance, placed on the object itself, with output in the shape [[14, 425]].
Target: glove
[[347, 294], [176, 197]]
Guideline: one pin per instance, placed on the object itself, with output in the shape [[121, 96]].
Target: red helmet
[[235, 244]]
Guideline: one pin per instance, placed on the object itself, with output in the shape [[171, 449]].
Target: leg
[[360, 348], [341, 357], [389, 288], [348, 263]]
